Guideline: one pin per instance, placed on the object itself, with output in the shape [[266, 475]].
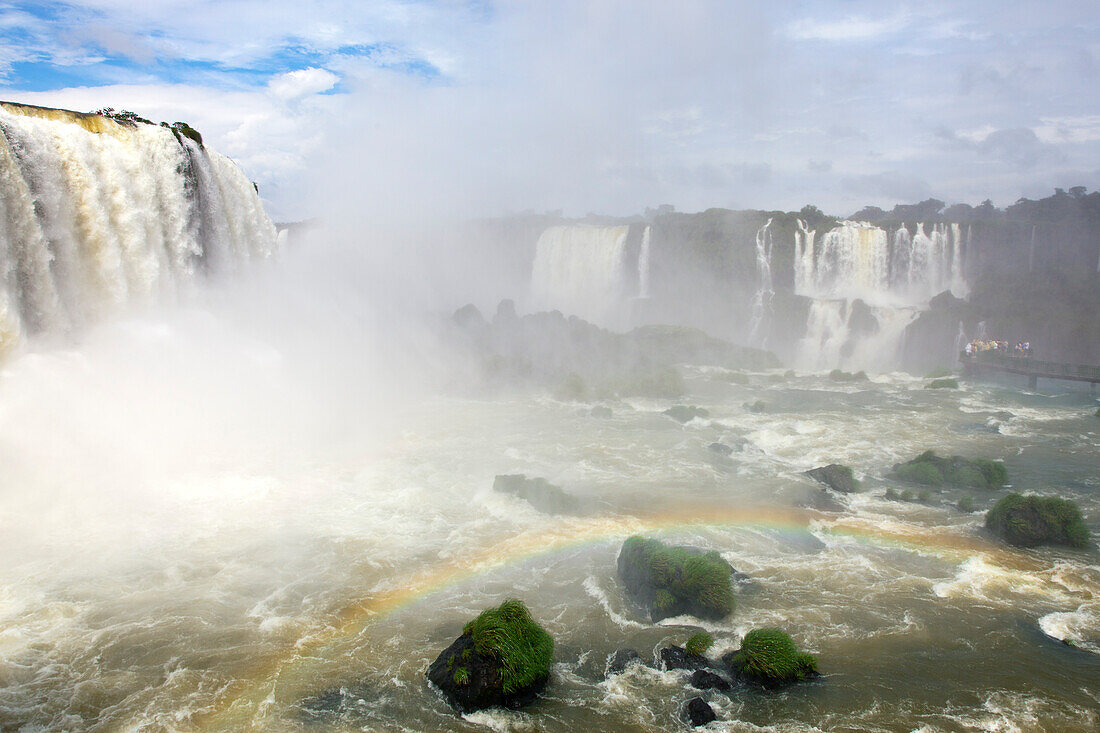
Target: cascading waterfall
[[761, 304], [95, 214], [643, 265], [580, 269], [895, 277]]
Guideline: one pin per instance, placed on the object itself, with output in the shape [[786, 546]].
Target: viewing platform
[[1033, 369]]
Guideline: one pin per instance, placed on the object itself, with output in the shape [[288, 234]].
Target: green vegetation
[[122, 116], [462, 676], [836, 476], [677, 578], [892, 495], [1033, 520], [924, 496], [698, 643], [966, 504], [907, 495], [770, 657], [184, 129], [928, 469], [946, 383], [509, 635]]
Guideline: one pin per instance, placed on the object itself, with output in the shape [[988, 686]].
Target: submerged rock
[[755, 407], [332, 705], [698, 712], [685, 413], [1034, 520], [929, 469], [720, 448], [836, 476], [538, 492], [621, 659], [769, 657], [502, 659], [672, 581], [704, 679], [677, 657]]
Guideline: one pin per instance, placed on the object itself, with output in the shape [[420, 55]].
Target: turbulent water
[[95, 215], [220, 557]]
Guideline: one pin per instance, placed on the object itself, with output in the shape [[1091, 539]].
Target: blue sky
[[483, 107]]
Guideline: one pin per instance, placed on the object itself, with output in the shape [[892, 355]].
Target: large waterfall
[[581, 270], [894, 276], [761, 304], [96, 214]]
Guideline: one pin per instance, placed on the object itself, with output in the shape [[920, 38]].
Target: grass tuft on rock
[[928, 469], [1035, 520], [680, 578], [698, 643], [509, 634], [769, 656]]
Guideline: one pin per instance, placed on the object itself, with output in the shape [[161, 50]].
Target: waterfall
[[894, 277], [579, 270], [761, 304], [96, 215], [643, 265]]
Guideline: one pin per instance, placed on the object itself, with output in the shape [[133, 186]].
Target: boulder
[[685, 413], [755, 407], [943, 383], [1034, 520], [502, 659], [468, 316], [769, 657], [841, 376], [538, 492], [698, 712], [929, 469], [836, 476], [673, 581]]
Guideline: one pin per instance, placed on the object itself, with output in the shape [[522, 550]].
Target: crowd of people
[[978, 346]]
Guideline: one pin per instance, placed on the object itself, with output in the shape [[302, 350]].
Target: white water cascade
[[580, 270], [895, 277], [643, 264], [765, 290], [95, 215]]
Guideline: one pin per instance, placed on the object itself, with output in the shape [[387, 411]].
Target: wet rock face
[[698, 712], [676, 657], [621, 659], [702, 679], [686, 413], [836, 477], [471, 681]]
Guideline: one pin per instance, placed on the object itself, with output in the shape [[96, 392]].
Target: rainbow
[[297, 671]]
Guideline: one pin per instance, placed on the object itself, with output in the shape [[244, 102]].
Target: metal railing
[[1034, 366]]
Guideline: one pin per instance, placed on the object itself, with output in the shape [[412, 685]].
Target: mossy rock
[[770, 658], [698, 643], [946, 383], [928, 469], [1033, 520], [673, 580], [502, 659], [838, 375], [538, 492], [685, 413], [836, 476]]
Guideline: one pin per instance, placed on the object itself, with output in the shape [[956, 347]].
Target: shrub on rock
[[502, 659], [929, 469], [670, 581], [770, 658], [1034, 520], [698, 643]]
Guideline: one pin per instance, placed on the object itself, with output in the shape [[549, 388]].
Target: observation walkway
[[1033, 369]]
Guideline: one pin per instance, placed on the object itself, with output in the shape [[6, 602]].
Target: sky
[[485, 108]]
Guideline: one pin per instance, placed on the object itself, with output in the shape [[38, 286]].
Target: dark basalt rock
[[703, 679], [755, 407], [468, 316], [862, 320], [332, 705], [676, 657], [1034, 520], [769, 657], [538, 492], [698, 712], [621, 659], [932, 470], [502, 659], [673, 581], [720, 448], [836, 476], [685, 413]]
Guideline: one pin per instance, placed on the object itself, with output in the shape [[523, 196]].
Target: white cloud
[[1079, 129], [852, 28], [294, 84]]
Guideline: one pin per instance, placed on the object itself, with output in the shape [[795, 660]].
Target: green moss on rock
[[769, 657], [946, 383], [1034, 520], [670, 580], [928, 469], [698, 643]]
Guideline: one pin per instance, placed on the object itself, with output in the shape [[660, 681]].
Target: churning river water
[[163, 573]]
